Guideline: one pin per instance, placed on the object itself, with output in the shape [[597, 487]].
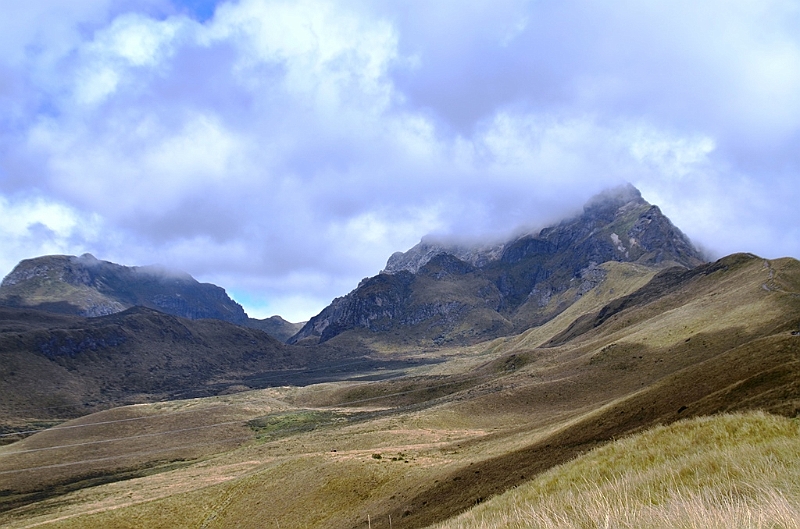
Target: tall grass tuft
[[728, 471]]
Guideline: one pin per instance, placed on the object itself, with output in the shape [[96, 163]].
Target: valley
[[323, 264], [458, 385], [456, 428]]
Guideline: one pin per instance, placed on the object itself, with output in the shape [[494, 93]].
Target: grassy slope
[[638, 370], [719, 342], [715, 472]]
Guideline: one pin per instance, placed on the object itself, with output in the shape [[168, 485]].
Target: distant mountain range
[[438, 293], [276, 327], [86, 286], [435, 293]]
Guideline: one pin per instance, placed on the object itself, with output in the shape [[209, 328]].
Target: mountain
[[275, 326], [59, 365], [453, 293], [453, 436], [636, 334], [86, 286]]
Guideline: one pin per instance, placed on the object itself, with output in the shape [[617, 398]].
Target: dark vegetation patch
[[11, 499], [54, 366], [285, 424], [405, 392]]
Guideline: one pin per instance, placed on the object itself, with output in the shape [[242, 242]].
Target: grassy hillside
[[57, 367], [723, 472], [432, 444]]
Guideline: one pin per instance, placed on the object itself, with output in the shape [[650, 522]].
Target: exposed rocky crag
[[86, 286], [437, 293], [428, 248]]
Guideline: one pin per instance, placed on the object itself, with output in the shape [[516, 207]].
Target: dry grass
[[724, 471], [485, 420], [621, 279]]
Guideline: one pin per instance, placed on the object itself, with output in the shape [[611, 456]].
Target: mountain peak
[[603, 208], [462, 292], [615, 198], [87, 286]]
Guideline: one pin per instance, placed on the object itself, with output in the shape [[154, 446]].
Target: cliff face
[[86, 286], [438, 292]]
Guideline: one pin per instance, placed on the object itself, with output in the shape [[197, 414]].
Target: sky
[[285, 149]]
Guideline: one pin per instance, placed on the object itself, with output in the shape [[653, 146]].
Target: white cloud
[[671, 157], [132, 41], [49, 28], [139, 40], [37, 226], [21, 217], [288, 148], [332, 57]]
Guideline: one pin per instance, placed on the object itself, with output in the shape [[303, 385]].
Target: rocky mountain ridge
[[437, 293], [428, 248], [86, 286]]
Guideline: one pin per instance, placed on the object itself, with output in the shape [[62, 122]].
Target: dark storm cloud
[[286, 149]]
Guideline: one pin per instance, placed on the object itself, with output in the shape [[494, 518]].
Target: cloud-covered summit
[[285, 149]]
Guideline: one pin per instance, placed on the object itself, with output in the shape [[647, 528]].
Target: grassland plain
[[428, 446]]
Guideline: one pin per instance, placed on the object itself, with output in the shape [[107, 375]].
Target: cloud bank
[[285, 149]]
